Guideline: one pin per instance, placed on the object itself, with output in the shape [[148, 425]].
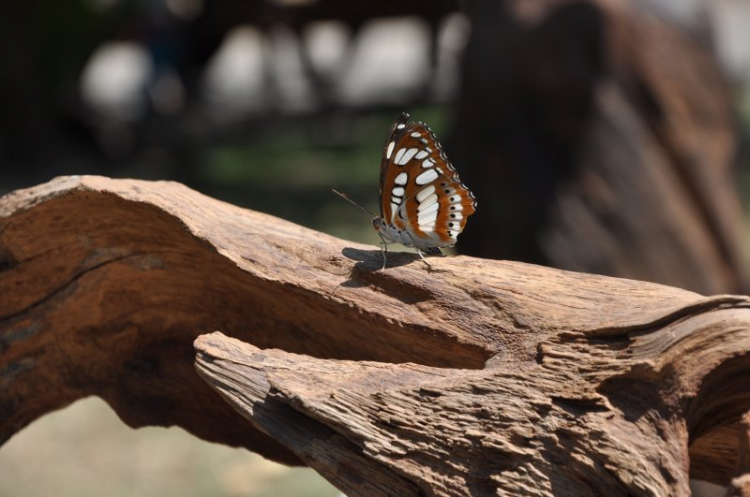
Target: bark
[[476, 376], [740, 485], [604, 409]]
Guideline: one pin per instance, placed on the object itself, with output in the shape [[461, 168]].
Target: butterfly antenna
[[342, 195]]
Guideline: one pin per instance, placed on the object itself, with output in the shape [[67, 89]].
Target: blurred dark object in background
[[145, 88], [599, 136]]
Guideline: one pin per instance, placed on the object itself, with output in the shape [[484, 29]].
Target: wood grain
[[476, 376]]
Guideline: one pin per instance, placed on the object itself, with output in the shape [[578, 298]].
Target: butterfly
[[423, 203]]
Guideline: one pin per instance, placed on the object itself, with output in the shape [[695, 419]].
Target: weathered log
[[608, 409], [740, 485], [476, 376]]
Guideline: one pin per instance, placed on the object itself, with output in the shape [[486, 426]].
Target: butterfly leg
[[423, 259], [384, 249]]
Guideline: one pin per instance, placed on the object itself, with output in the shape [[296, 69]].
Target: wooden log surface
[[476, 376], [740, 484]]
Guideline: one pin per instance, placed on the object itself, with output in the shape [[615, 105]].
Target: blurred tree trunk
[[28, 133], [44, 46], [598, 136]]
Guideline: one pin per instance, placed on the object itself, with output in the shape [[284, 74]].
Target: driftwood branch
[[609, 411], [479, 376]]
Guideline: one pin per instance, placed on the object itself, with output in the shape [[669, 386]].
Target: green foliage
[[288, 171]]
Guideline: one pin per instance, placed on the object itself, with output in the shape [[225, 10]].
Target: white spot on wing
[[415, 134], [401, 179], [399, 154], [390, 150], [394, 208], [398, 191], [395, 200], [406, 156], [422, 154], [426, 177], [428, 163], [401, 126], [428, 201], [427, 218], [427, 208], [424, 193]]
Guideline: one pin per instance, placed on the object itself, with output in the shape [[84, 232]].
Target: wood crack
[[489, 377]]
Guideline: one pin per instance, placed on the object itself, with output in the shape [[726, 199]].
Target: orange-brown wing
[[420, 189], [392, 182]]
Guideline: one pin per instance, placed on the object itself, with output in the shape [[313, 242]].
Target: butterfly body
[[404, 237], [423, 203]]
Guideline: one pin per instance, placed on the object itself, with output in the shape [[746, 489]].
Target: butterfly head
[[378, 223]]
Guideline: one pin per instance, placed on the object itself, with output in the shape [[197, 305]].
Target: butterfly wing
[[420, 190], [392, 193]]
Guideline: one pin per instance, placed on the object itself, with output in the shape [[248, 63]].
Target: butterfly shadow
[[372, 260], [367, 272]]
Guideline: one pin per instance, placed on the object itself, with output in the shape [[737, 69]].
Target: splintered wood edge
[[128, 273], [352, 399], [250, 391], [740, 484]]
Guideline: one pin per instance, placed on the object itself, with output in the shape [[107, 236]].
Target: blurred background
[[605, 136]]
